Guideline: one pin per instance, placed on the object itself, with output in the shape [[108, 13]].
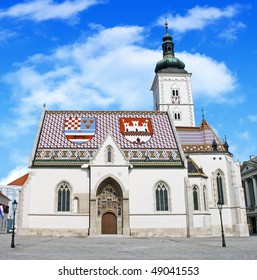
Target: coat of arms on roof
[[136, 130], [79, 130]]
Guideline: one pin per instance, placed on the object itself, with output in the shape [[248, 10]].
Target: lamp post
[[14, 206], [219, 204]]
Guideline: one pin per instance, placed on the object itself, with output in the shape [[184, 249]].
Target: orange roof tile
[[20, 181]]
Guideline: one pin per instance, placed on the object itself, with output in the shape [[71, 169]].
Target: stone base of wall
[[201, 232], [160, 232], [54, 232], [235, 230], [238, 231]]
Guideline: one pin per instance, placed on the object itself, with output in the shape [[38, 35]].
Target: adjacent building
[[4, 210], [249, 181], [12, 192]]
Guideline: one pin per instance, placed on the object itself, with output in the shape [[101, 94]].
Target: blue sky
[[101, 55]]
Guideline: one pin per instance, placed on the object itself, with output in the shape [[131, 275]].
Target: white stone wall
[[39, 209], [234, 210], [38, 200], [142, 205]]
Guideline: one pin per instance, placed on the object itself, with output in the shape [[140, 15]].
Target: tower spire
[[168, 45], [169, 60]]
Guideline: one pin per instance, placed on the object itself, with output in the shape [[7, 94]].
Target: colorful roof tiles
[[199, 139], [69, 137], [194, 170]]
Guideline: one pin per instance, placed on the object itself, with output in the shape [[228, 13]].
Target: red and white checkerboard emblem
[[79, 130]]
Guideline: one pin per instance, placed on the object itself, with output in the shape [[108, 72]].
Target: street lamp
[[219, 204], [14, 206]]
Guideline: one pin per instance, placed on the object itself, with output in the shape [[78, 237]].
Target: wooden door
[[109, 223]]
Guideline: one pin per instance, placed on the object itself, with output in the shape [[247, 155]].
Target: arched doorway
[[109, 223], [109, 207]]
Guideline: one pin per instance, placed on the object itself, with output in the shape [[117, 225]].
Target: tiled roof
[[199, 139], [194, 170], [66, 137], [20, 181]]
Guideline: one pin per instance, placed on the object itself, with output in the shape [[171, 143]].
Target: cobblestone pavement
[[110, 247]]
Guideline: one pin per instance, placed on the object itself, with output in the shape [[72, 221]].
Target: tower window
[[175, 96], [177, 116], [175, 92]]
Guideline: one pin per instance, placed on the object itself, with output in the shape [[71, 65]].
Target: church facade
[[138, 173]]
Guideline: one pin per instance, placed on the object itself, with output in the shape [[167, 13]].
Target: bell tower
[[172, 86]]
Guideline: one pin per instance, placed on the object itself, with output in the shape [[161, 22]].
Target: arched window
[[64, 197], [195, 198], [177, 116], [109, 153], [205, 198], [161, 196], [175, 92], [220, 189]]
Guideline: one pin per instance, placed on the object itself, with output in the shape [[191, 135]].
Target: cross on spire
[[166, 25]]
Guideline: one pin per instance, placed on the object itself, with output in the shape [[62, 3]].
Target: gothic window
[[109, 152], [161, 196], [195, 197], [220, 188], [64, 196], [205, 198]]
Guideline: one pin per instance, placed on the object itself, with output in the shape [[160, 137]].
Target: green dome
[[169, 62]]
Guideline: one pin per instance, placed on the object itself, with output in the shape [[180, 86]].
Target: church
[[133, 173]]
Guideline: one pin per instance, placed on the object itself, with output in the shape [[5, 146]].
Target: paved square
[[108, 247]]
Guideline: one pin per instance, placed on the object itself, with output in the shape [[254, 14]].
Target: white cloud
[[13, 175], [244, 135], [230, 33], [252, 118], [5, 35], [100, 74], [40, 10], [210, 78], [198, 18], [97, 73]]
